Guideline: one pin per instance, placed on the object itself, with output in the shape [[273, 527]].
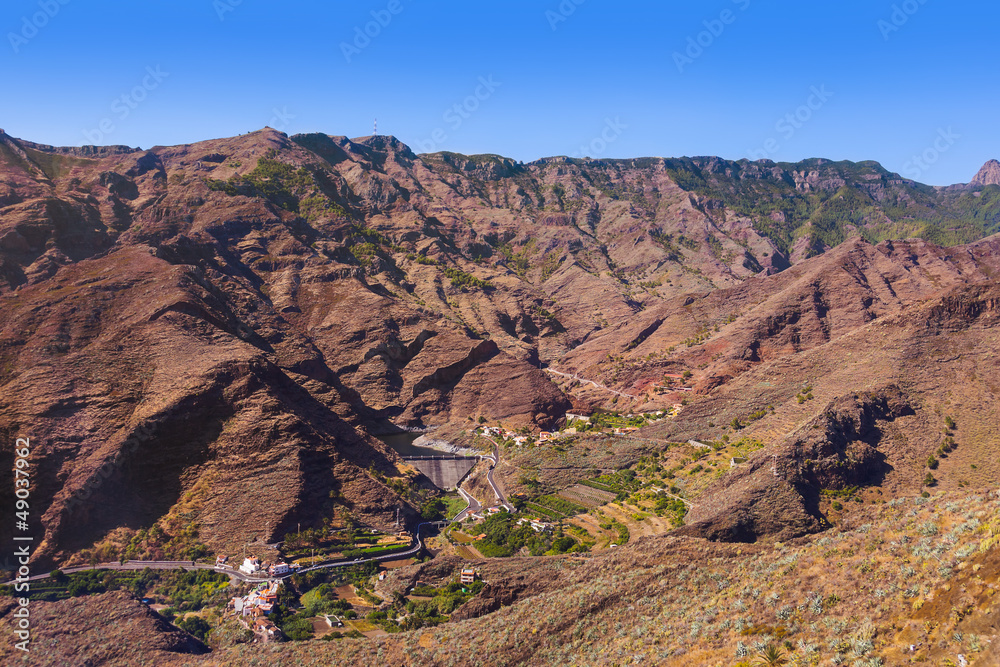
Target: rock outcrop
[[775, 494], [988, 175]]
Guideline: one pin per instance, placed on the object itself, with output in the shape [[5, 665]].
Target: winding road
[[232, 572], [586, 381], [418, 544], [474, 505], [489, 477]]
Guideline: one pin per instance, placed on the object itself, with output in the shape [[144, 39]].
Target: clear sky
[[912, 84]]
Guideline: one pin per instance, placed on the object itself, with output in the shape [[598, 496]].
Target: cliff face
[[988, 175], [776, 493]]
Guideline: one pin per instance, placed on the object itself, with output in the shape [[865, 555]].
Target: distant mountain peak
[[988, 175]]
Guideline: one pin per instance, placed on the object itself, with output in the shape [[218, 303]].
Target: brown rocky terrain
[[200, 340], [900, 582], [176, 313], [109, 629]]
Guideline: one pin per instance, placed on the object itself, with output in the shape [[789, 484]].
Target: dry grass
[[893, 575]]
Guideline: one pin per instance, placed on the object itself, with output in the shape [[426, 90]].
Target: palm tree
[[770, 656]]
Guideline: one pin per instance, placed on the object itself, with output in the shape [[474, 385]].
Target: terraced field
[[587, 496]]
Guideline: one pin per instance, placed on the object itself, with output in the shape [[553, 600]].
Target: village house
[[220, 560], [260, 601], [468, 575], [279, 569], [251, 565], [537, 526], [266, 630]]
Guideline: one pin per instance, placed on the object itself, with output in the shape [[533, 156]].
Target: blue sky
[[912, 84]]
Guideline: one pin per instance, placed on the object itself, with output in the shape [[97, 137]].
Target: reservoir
[[402, 444]]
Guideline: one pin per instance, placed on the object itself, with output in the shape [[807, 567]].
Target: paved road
[[153, 565], [233, 572], [489, 477], [412, 551], [472, 507]]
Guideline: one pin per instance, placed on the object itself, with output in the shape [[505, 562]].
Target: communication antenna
[[376, 127]]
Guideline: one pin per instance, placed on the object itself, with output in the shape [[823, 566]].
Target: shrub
[[196, 626]]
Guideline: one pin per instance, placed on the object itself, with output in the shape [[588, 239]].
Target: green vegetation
[[433, 510], [740, 423], [623, 483], [519, 262], [620, 528], [550, 264], [784, 213], [602, 420], [315, 207], [327, 543], [504, 538], [423, 259], [666, 241], [195, 625], [183, 591], [273, 180], [558, 506], [461, 279]]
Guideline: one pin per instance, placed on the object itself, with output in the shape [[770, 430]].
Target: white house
[[251, 565]]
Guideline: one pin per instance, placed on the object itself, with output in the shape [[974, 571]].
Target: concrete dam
[[445, 471]]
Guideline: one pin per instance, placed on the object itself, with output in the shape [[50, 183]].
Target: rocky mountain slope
[[988, 175], [181, 324]]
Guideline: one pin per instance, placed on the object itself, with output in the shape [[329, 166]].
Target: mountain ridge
[[387, 289]]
